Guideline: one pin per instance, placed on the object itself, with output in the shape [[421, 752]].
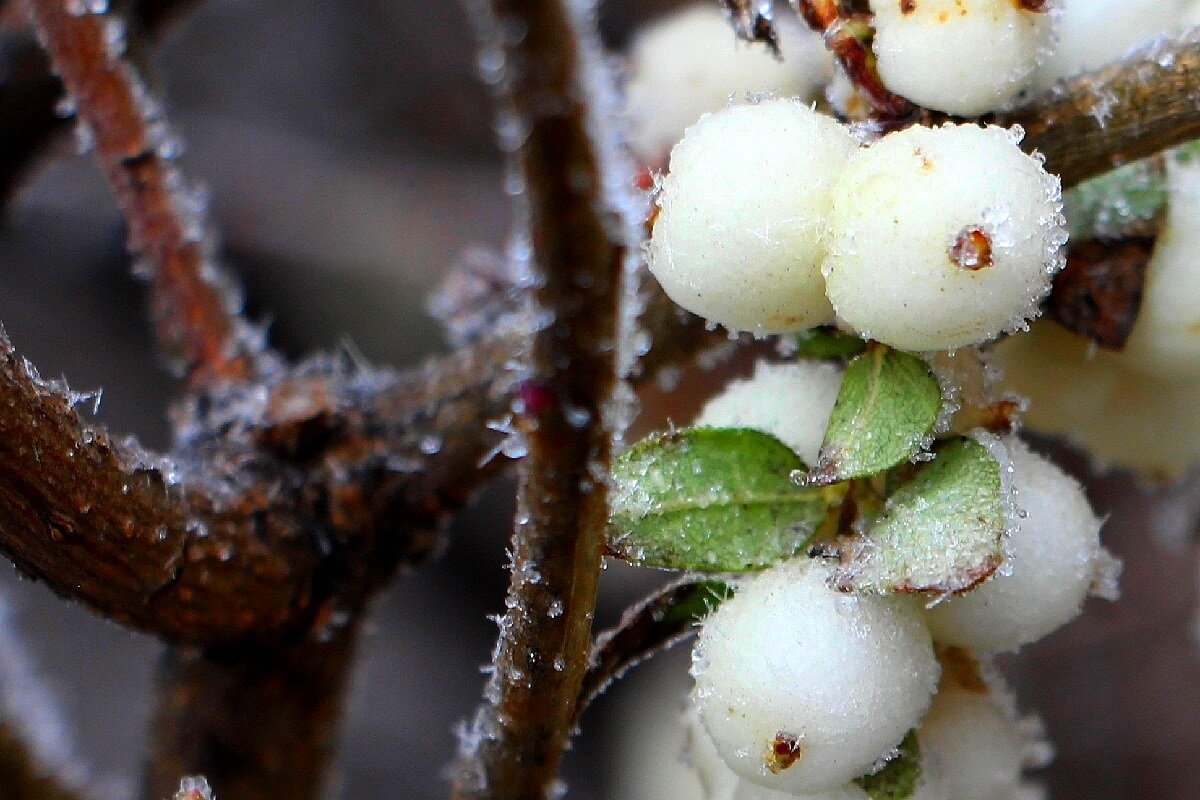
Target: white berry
[[1165, 341], [691, 63], [1052, 558], [942, 237], [792, 402], [738, 239], [803, 688], [964, 57], [973, 744]]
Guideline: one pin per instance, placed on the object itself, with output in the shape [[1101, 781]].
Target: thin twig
[[196, 307], [752, 22], [848, 37], [563, 403], [661, 621], [1128, 110]]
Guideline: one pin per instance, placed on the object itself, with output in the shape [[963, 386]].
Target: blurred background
[[349, 151]]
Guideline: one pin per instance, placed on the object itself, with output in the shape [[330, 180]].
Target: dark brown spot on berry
[[972, 249], [1036, 6], [908, 6], [783, 752]]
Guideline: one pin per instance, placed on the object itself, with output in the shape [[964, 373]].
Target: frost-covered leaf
[[941, 532], [1126, 202], [898, 778], [886, 408], [826, 342], [711, 500]]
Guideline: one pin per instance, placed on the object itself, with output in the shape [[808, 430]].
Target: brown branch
[[258, 724], [848, 37], [752, 23], [30, 94], [1131, 109], [22, 777], [1099, 292], [571, 373], [195, 306]]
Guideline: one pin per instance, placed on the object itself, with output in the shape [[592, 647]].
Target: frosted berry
[[738, 239], [802, 688], [942, 237], [964, 57], [1052, 558], [792, 402], [690, 63]]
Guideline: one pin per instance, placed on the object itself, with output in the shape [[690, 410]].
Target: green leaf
[[711, 500], [885, 410], [1125, 202], [827, 342], [898, 778], [941, 532]]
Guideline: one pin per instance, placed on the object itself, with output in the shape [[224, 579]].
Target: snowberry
[[1098, 399], [1165, 342], [1092, 33], [1052, 558], [803, 688], [973, 744], [691, 63], [942, 237], [964, 57], [792, 402], [738, 239], [1061, 374]]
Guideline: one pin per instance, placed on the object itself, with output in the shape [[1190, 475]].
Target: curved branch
[[196, 307], [21, 777], [563, 403], [1128, 110]]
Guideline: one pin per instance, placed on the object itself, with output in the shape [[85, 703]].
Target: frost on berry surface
[[803, 688], [739, 235], [1092, 33], [691, 63], [1165, 341], [942, 237], [1050, 564], [964, 57], [972, 743], [791, 402]]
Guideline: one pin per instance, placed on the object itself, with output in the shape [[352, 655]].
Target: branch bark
[[258, 724], [30, 93], [562, 405], [195, 306], [1128, 110]]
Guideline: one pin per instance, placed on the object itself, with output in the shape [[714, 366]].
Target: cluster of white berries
[[801, 688], [773, 218]]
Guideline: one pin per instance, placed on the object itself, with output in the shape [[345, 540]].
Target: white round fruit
[[752, 791], [1052, 559], [1062, 375], [738, 237], [973, 744], [803, 688], [942, 237], [1092, 33], [964, 57], [1165, 341], [691, 63], [792, 402]]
